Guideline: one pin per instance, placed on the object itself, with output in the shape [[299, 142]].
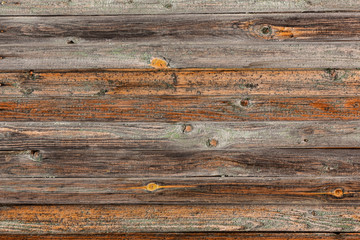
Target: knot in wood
[[187, 128], [152, 187], [212, 143], [338, 193]]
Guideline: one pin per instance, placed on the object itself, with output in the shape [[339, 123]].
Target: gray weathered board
[[289, 40]]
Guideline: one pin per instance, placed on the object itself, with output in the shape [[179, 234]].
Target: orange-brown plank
[[180, 108], [92, 219], [115, 83], [192, 236], [221, 190]]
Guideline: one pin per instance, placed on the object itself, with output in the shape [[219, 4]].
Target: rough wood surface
[[170, 29], [247, 190], [105, 135], [95, 7], [180, 108], [120, 163], [180, 95], [71, 219], [117, 83], [168, 136], [202, 55], [192, 236], [181, 41]]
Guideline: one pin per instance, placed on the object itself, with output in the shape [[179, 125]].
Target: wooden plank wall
[[174, 119]]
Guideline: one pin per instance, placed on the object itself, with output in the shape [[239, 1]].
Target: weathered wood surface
[[180, 95], [149, 147], [180, 108], [247, 190], [120, 163], [138, 83], [169, 136], [92, 219], [191, 29], [191, 236], [132, 55], [94, 7], [181, 41]]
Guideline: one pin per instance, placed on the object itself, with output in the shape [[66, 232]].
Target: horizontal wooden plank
[[181, 41], [247, 190], [180, 108], [197, 55], [192, 236], [168, 136], [114, 95], [82, 7], [85, 219], [119, 163], [170, 29], [116, 83]]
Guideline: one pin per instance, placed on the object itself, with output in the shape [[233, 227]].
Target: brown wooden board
[[85, 219], [180, 108], [178, 29], [115, 162], [191, 236], [223, 190], [174, 82]]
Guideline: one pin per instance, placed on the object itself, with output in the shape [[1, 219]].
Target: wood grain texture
[[181, 41], [247, 190], [170, 82], [199, 55], [191, 29], [207, 152], [179, 108], [168, 136], [192, 236], [180, 95], [93, 7], [122, 163], [85, 219]]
